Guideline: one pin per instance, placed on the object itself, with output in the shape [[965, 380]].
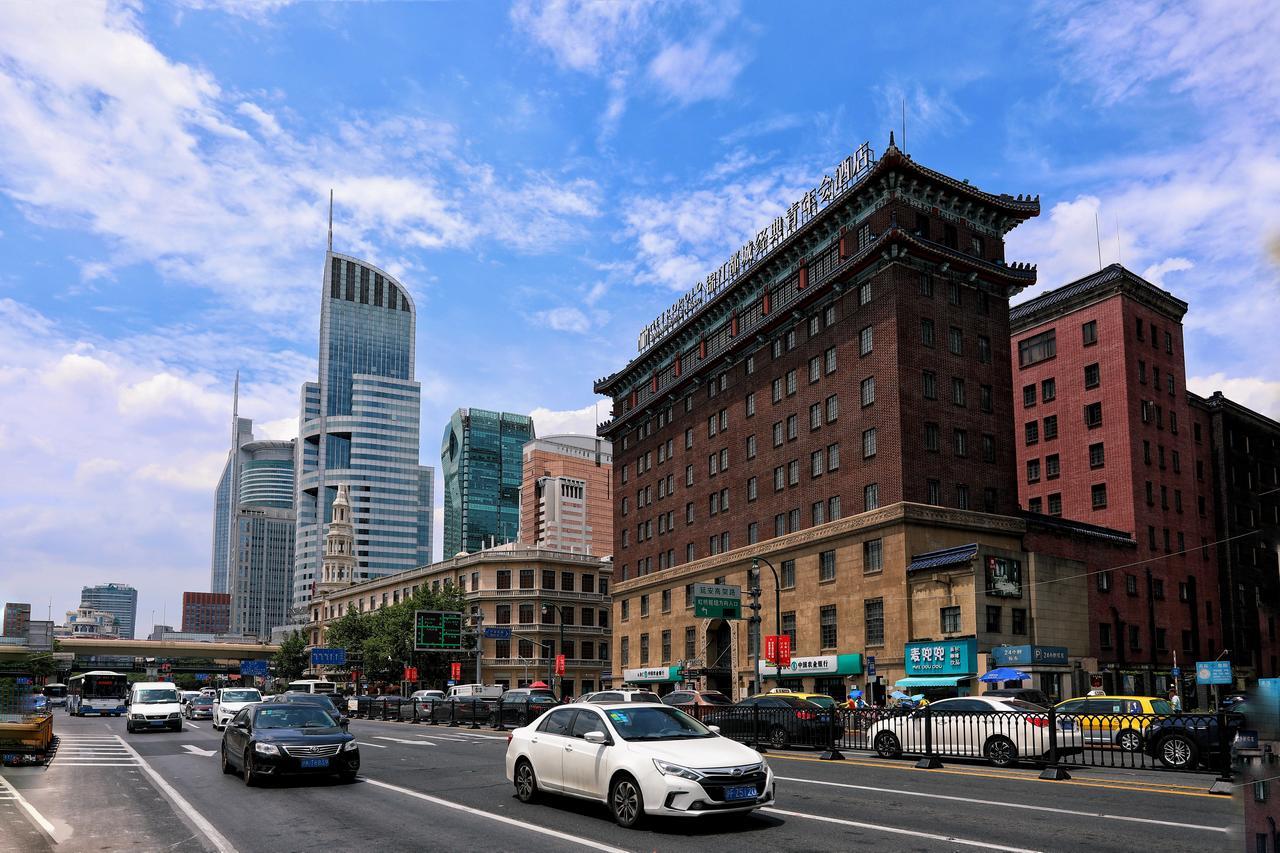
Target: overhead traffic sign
[[253, 667], [437, 630], [497, 633], [328, 657], [717, 601]]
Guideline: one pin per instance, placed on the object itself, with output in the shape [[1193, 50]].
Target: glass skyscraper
[[481, 458], [118, 599], [360, 426]]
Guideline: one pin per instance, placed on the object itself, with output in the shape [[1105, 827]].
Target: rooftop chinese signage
[[942, 657], [799, 214]]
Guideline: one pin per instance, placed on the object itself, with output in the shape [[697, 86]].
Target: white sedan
[[999, 730], [639, 759], [229, 701]]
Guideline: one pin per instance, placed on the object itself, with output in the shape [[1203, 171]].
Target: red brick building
[[1105, 434], [206, 612], [849, 357]]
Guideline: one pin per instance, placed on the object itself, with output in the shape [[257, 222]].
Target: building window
[[1131, 584], [503, 579], [1103, 581], [1048, 390], [1037, 348], [984, 349], [1135, 638], [868, 388], [1104, 635], [815, 417], [1055, 504], [690, 643], [830, 358], [935, 492], [1032, 429], [1093, 415], [787, 572], [777, 390], [873, 620], [751, 489], [1029, 395], [929, 385], [993, 618], [833, 457], [926, 332], [864, 293], [957, 391], [666, 601], [1035, 505], [751, 404], [961, 441], [988, 447], [1018, 620], [869, 444], [932, 441], [865, 341], [815, 369], [1051, 467], [1033, 470], [833, 508], [526, 578], [950, 619], [833, 409], [1092, 376], [1098, 493], [827, 626], [815, 463], [1089, 332], [791, 382], [1050, 427], [644, 649], [826, 566], [955, 341], [1097, 455], [985, 397], [872, 556], [871, 496], [751, 447], [962, 496]]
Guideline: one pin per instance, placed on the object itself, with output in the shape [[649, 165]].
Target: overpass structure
[[169, 650]]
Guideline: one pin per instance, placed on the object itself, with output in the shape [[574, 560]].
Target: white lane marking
[[28, 808], [402, 740], [949, 839], [195, 750], [374, 745], [98, 764], [974, 801], [193, 725], [542, 830], [219, 842]]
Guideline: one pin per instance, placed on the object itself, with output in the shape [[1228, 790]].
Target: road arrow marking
[[195, 750], [402, 740]]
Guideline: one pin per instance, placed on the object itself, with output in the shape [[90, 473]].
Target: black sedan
[[520, 705], [1185, 741], [779, 720], [287, 738]]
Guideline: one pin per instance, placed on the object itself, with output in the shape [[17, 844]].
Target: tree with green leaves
[[291, 661]]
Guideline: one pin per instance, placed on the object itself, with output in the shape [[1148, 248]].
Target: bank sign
[[799, 214], [820, 665], [651, 674], [1029, 655], [944, 657]]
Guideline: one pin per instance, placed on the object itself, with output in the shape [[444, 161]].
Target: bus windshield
[[55, 691], [100, 685]]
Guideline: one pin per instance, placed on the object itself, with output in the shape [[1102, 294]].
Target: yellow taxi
[[1121, 721], [816, 698]]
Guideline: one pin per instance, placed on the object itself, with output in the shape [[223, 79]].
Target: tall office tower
[[1105, 434], [566, 493], [226, 497], [481, 457], [360, 426], [118, 599], [16, 619], [206, 612]]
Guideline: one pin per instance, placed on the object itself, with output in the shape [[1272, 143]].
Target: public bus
[[312, 685], [99, 692], [55, 693]]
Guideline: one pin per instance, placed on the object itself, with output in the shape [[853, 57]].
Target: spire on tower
[[330, 219]]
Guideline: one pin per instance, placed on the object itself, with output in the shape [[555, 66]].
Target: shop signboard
[[1029, 656], [651, 675], [941, 657], [820, 665]]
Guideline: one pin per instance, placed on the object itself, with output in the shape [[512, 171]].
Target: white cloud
[[929, 113], [1156, 272], [572, 421], [564, 319], [696, 71], [585, 35], [1254, 392]]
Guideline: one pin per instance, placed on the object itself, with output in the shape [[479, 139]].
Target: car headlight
[[174, 715], [350, 746], [666, 768], [266, 749], [764, 766], [137, 717]]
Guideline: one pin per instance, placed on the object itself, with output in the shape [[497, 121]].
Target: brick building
[[851, 356], [566, 495], [1244, 449], [206, 612], [1105, 434]]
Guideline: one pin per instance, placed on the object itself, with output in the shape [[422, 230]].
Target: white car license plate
[[740, 792]]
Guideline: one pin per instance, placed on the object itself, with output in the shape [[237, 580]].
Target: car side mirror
[[715, 729], [595, 737]]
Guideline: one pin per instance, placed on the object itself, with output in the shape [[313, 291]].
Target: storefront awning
[[932, 680]]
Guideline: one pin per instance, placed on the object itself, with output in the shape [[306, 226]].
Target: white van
[[312, 685], [154, 705], [229, 702], [476, 691]]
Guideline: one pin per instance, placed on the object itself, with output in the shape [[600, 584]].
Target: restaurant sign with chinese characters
[[942, 657], [799, 214]]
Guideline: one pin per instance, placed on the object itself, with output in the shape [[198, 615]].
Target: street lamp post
[[559, 608], [777, 606]]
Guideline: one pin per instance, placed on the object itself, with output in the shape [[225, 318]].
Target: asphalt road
[[436, 788]]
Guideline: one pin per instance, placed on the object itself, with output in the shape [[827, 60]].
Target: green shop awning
[[932, 680]]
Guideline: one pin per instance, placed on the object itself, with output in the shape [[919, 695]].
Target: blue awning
[[932, 680], [945, 557]]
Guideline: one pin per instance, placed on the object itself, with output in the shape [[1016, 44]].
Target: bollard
[[497, 717], [453, 714], [1223, 784], [475, 714], [431, 715], [755, 730], [1054, 772], [833, 752], [929, 761], [414, 719]]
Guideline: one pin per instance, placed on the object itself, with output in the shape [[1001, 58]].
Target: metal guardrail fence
[[473, 713]]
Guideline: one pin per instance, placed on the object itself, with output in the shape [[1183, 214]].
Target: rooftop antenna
[[235, 400], [1119, 259], [904, 125], [1098, 237], [330, 219]]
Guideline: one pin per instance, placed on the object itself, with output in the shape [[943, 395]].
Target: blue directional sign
[[202, 676], [328, 657], [1176, 671], [253, 667], [871, 666], [1213, 672], [497, 633]]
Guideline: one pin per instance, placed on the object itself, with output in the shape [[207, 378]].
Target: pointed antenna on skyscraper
[[330, 219], [235, 399]]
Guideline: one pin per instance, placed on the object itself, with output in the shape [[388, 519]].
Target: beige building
[[552, 602], [566, 494], [929, 592]]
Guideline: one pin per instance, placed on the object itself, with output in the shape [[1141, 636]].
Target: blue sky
[[544, 178]]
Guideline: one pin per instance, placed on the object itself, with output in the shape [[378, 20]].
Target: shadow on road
[[691, 827]]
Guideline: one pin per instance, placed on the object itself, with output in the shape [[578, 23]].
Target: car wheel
[[227, 767], [250, 777], [626, 802], [128, 727], [1129, 741], [526, 782], [778, 738], [1178, 752], [887, 745], [1000, 751]]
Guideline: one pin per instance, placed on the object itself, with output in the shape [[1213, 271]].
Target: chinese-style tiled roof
[[1112, 278], [945, 557]]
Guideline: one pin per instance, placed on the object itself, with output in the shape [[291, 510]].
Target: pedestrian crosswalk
[[93, 751]]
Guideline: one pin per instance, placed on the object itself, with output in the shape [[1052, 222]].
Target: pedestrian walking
[[1175, 701]]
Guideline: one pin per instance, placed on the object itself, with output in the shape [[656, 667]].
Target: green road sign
[[717, 601], [437, 630]]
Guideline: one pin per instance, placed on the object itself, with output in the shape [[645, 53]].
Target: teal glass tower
[[360, 426], [481, 459]]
